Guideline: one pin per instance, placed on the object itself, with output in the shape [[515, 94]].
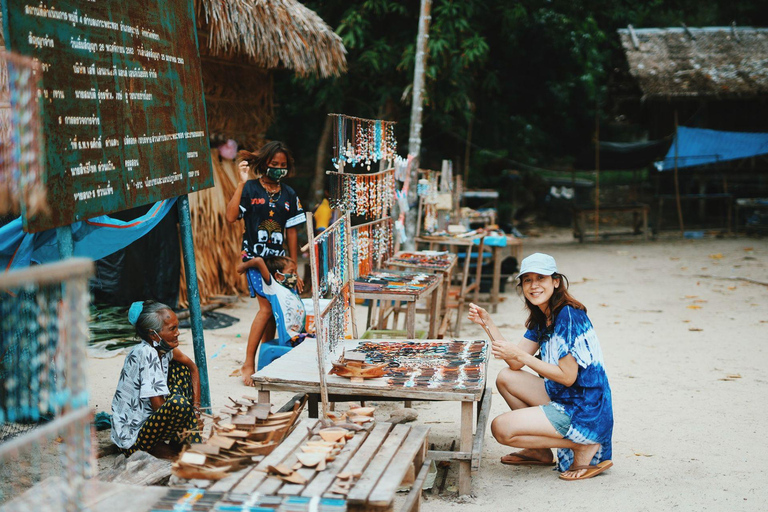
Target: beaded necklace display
[[367, 195], [362, 141]]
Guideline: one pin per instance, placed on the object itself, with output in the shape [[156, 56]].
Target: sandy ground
[[686, 347]]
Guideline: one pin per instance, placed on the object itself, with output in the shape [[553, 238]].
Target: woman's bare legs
[[258, 326], [527, 427], [521, 390]]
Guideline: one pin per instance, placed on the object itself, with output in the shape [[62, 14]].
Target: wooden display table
[[430, 287], [514, 246], [456, 371], [438, 262]]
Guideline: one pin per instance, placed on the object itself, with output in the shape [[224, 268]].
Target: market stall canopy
[[272, 34], [696, 146], [723, 62]]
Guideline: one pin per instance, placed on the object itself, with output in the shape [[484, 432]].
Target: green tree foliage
[[528, 74]]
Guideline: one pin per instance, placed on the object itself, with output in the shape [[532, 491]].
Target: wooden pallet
[[380, 459]]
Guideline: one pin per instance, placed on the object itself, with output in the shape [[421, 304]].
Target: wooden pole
[[417, 108], [193, 296], [351, 274], [320, 340], [677, 184]]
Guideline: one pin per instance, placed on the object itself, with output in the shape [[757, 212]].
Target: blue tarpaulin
[[94, 238], [697, 146]]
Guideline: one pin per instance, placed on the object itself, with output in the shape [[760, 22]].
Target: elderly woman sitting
[[158, 395]]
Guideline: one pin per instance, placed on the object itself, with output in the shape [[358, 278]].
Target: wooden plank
[[465, 473], [325, 479], [228, 482], [438, 455], [388, 449], [482, 423], [384, 492], [413, 501], [252, 480], [366, 452]]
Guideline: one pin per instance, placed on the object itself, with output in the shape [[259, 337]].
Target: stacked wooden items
[[250, 431]]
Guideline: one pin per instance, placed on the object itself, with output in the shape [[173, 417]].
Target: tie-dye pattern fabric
[[588, 400]]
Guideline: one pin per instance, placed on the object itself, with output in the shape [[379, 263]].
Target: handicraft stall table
[[440, 370], [409, 287], [499, 247], [438, 262]]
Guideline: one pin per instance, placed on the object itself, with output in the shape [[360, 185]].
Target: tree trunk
[[417, 107], [318, 183]]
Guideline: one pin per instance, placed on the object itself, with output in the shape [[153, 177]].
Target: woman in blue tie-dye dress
[[570, 407]]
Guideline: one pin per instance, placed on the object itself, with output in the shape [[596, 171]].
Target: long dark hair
[[259, 162], [559, 299]]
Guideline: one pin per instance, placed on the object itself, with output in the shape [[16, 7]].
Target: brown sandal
[[591, 470]]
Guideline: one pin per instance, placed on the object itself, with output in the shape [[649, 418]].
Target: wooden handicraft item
[[251, 431], [353, 366]]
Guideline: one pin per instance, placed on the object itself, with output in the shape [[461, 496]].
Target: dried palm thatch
[[724, 62], [273, 34], [238, 101], [217, 243]]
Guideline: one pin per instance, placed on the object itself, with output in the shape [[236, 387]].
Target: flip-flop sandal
[[591, 470], [516, 459]]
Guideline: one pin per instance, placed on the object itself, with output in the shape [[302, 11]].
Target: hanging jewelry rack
[[331, 256]]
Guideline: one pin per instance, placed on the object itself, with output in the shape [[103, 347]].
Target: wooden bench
[[639, 213], [385, 457], [727, 198]]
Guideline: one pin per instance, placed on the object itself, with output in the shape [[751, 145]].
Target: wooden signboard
[[121, 102]]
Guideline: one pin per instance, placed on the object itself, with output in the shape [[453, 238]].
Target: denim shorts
[[557, 417]]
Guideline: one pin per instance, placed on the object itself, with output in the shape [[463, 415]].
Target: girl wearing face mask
[[567, 406], [273, 282], [272, 214], [158, 395]]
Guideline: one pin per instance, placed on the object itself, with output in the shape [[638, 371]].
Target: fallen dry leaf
[[699, 301], [732, 287], [674, 259], [717, 256], [734, 375], [747, 249], [695, 329], [643, 455], [683, 268], [694, 306], [604, 305], [691, 296]]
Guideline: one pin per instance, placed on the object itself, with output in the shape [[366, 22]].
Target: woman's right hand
[[478, 315], [244, 171]]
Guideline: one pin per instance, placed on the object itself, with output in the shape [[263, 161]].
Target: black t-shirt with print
[[267, 218]]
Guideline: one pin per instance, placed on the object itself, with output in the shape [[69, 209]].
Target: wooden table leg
[[434, 311], [465, 466], [410, 320], [496, 251]]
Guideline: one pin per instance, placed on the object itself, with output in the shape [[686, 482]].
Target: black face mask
[[161, 345], [276, 173]]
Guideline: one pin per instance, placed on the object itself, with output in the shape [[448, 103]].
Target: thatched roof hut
[[240, 41], [712, 62]]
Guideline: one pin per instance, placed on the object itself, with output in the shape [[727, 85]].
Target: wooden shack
[[710, 77]]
